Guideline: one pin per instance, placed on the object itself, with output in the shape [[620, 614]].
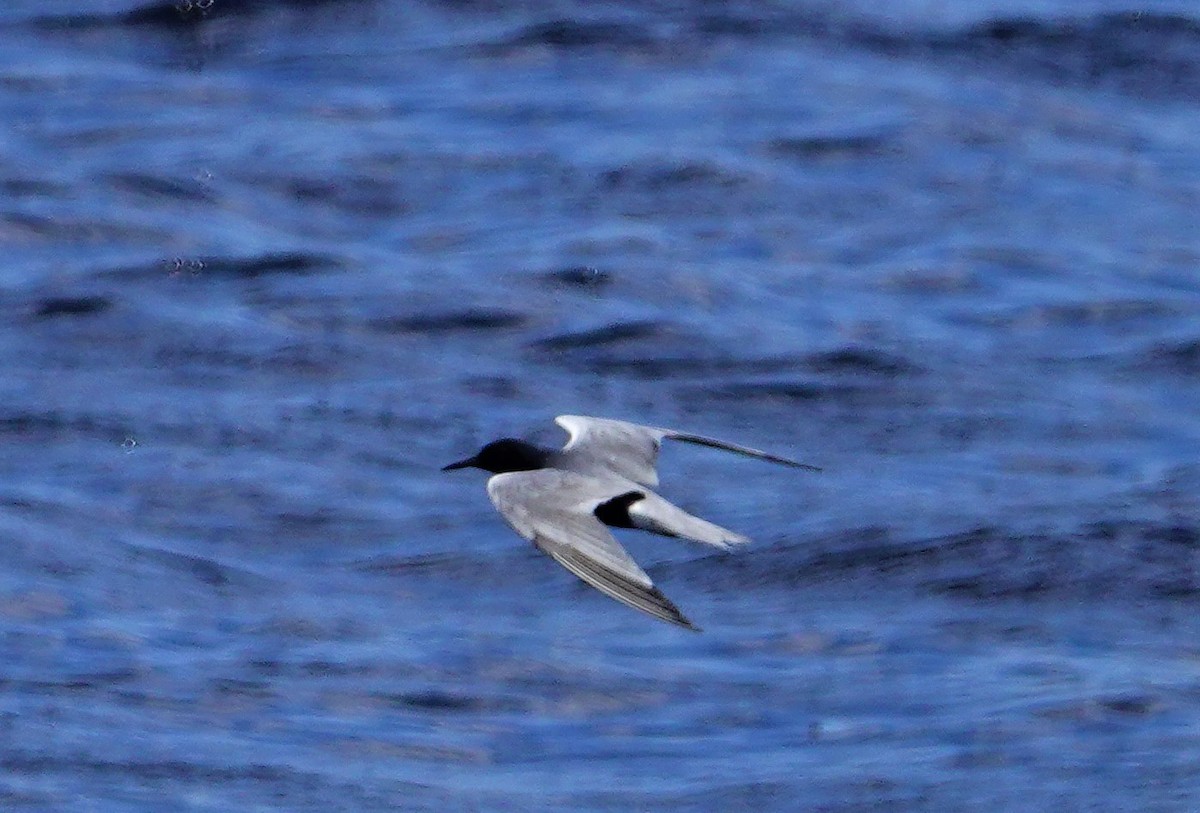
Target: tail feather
[[656, 515]]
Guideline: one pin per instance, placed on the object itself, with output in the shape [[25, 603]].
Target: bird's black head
[[506, 454]]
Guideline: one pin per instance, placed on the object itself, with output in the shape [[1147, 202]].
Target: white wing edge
[[576, 427]]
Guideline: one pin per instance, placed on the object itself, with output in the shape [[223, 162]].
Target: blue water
[[269, 265]]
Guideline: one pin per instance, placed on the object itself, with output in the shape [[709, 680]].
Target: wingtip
[[669, 612], [735, 541], [680, 620], [787, 461]]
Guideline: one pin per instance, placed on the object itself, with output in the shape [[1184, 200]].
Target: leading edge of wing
[[647, 598], [577, 426]]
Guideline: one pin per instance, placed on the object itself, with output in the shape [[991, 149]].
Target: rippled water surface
[[269, 264]]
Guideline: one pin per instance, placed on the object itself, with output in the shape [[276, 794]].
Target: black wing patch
[[615, 512]]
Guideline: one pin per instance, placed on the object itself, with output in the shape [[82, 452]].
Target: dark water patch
[[1131, 704], [244, 779], [194, 364], [56, 424], [84, 683], [758, 22], [425, 752], [833, 145], [579, 276], [325, 668], [203, 569], [173, 14], [27, 763], [354, 195], [325, 628], [470, 320], [1115, 313], [1108, 560], [435, 701], [387, 416], [288, 264], [277, 669], [1178, 586], [786, 391], [310, 361], [58, 306], [176, 356], [492, 386], [26, 799], [571, 33], [617, 333], [306, 360], [860, 360], [1148, 53], [875, 550], [236, 687], [1009, 32], [23, 226], [319, 521], [663, 367], [934, 280], [157, 187], [1141, 52], [1096, 709], [264, 265], [646, 349], [675, 178], [434, 564], [721, 794], [1175, 535], [39, 604], [155, 14], [984, 590], [1178, 357], [1125, 559], [1019, 261], [15, 188]]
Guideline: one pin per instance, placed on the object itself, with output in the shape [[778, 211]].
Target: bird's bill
[[462, 464]]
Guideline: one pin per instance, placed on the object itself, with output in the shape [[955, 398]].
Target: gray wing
[[554, 510], [631, 450], [627, 449]]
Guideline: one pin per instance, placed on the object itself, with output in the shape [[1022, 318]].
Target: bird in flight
[[565, 500]]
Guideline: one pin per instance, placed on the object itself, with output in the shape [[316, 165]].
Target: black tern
[[564, 501]]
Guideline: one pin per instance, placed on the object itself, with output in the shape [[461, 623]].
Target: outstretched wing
[[555, 510], [631, 450], [627, 449]]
